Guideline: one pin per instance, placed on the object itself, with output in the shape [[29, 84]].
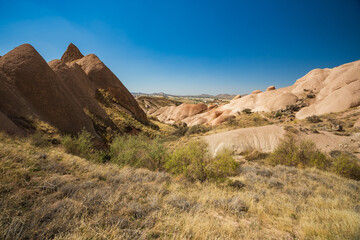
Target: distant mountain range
[[218, 96]]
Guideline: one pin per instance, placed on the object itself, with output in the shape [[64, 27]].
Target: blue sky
[[192, 46]]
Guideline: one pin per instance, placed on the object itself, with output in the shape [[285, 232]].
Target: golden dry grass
[[46, 193]]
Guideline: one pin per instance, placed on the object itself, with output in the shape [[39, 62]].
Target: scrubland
[[46, 192]]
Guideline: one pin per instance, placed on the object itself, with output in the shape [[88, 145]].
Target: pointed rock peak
[[72, 53]]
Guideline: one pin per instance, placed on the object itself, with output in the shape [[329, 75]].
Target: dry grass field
[[47, 193]]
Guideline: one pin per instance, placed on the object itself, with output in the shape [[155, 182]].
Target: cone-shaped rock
[[29, 87], [72, 53], [103, 78]]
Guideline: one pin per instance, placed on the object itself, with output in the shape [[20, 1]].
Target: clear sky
[[192, 46]]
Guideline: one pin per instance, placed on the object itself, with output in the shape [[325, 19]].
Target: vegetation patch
[[305, 154], [48, 194], [80, 145], [198, 129], [313, 119], [194, 163], [138, 151]]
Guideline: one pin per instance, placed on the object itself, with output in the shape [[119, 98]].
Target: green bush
[[196, 129], [314, 119], [180, 130], [138, 151], [247, 111], [222, 165], [39, 139], [278, 114], [304, 154], [346, 165], [80, 145], [194, 163], [189, 160], [231, 122]]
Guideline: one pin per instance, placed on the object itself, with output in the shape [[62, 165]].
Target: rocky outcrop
[[236, 97], [256, 92], [175, 114], [270, 88], [262, 139], [72, 53], [357, 123], [319, 92], [35, 90], [61, 93], [335, 89], [102, 77]]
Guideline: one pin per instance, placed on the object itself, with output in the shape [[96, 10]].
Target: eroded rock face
[[34, 89], [72, 53], [174, 114], [336, 89], [256, 92], [59, 92], [357, 123], [236, 97], [329, 90], [270, 88], [263, 139], [103, 78]]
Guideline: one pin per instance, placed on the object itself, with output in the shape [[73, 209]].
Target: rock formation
[[318, 92], [72, 53], [174, 114], [263, 139], [256, 92], [270, 88], [61, 93], [236, 97]]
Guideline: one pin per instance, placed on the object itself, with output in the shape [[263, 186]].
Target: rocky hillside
[[151, 104], [68, 94], [319, 92]]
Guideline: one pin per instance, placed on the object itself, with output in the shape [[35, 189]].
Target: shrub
[[311, 95], [313, 119], [303, 155], [189, 160], [196, 129], [194, 163], [80, 145], [247, 111], [39, 140], [138, 151], [253, 154], [180, 130], [293, 108], [278, 114], [346, 165], [222, 165], [231, 122]]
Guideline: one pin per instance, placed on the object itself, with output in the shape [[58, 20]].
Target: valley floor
[[47, 193]]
